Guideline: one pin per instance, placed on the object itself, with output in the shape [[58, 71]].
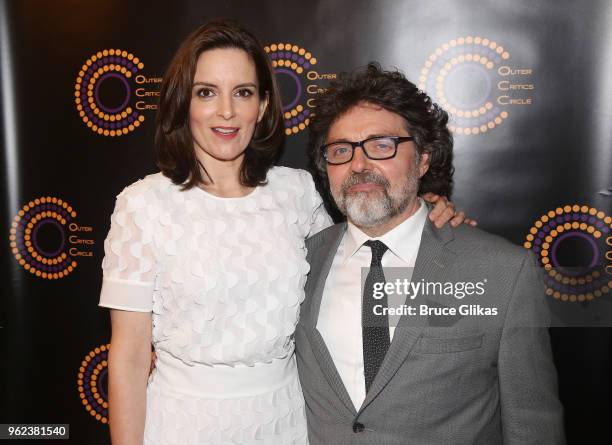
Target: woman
[[206, 260]]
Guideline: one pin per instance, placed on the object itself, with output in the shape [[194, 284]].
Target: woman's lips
[[226, 132]]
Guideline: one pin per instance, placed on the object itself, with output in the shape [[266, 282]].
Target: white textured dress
[[224, 279]]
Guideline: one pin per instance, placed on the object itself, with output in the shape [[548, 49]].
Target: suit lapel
[[432, 262], [320, 264]]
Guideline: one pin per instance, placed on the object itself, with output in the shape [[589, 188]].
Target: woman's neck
[[222, 178]]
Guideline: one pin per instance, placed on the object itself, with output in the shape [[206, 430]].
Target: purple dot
[[287, 54], [301, 60], [130, 119], [559, 219], [307, 65], [294, 121], [567, 217], [112, 125], [294, 57], [273, 56], [538, 241], [583, 217], [112, 59], [541, 234], [134, 70], [592, 219], [605, 229], [306, 112]]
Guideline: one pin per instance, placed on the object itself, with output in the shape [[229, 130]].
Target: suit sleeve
[[530, 407]]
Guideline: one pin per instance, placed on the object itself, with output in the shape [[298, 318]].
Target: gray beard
[[372, 209]]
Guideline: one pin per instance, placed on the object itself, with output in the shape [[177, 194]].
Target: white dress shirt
[[339, 319]]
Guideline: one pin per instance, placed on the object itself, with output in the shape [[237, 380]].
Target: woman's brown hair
[[174, 148]]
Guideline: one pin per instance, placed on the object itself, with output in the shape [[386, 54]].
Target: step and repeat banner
[[528, 86]]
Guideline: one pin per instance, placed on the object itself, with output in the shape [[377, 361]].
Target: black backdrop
[[528, 85]]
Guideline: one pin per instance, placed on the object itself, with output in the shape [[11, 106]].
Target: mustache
[[362, 178]]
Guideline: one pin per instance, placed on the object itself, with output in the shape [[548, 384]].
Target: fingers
[[440, 206], [431, 197], [445, 212], [442, 212], [458, 219]]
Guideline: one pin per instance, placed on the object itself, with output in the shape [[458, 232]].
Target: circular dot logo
[[38, 237], [103, 92], [573, 229], [460, 75], [291, 63], [92, 382]]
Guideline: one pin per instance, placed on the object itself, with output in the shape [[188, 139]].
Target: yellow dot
[[313, 61]]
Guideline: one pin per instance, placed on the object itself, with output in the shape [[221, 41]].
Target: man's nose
[[360, 161]]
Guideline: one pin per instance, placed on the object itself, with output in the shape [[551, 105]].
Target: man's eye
[[343, 149], [383, 145]]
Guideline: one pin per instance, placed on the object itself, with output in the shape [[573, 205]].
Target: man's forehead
[[366, 119]]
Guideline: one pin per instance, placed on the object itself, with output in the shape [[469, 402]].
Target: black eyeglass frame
[[396, 141]]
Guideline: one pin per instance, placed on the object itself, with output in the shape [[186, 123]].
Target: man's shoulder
[[473, 242], [323, 237]]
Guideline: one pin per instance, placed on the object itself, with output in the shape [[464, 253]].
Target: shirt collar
[[400, 240]]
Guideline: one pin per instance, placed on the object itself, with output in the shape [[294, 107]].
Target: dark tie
[[375, 329]]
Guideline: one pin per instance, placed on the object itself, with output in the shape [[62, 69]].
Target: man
[[453, 377]]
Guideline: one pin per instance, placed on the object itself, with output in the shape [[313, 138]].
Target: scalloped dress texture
[[224, 279]]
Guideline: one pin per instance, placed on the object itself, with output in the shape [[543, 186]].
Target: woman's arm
[[444, 212], [129, 363]]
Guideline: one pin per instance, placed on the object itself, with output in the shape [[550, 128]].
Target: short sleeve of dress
[[129, 263], [319, 218]]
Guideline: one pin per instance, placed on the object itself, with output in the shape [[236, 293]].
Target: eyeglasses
[[377, 148]]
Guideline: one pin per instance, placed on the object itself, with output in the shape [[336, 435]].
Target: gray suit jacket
[[468, 383]]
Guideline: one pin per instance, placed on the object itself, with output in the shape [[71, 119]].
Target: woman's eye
[[204, 92], [244, 92]]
